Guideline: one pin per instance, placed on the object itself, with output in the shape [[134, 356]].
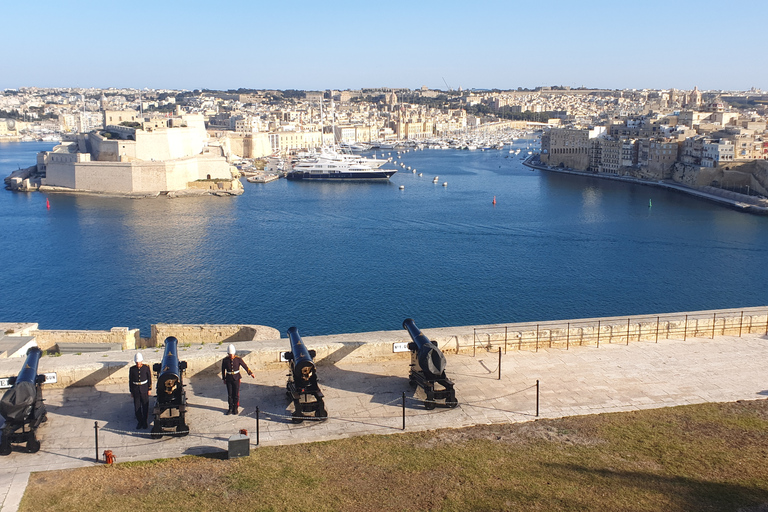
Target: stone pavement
[[366, 398]]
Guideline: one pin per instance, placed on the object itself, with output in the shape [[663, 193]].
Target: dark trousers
[[141, 406], [233, 393]]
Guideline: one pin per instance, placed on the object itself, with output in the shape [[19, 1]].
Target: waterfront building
[[715, 152], [571, 147]]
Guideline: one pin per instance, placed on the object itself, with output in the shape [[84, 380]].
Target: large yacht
[[331, 166]]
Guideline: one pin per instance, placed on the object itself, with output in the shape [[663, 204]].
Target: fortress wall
[[59, 175], [104, 177], [149, 177], [127, 338], [203, 346], [170, 143], [198, 334]]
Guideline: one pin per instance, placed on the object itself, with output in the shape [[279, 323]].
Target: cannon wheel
[[430, 403], [451, 402], [321, 412], [182, 429], [297, 417], [156, 432], [33, 445]]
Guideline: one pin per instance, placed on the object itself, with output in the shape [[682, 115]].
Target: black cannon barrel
[[17, 403], [29, 372], [303, 364], [169, 372], [430, 357]]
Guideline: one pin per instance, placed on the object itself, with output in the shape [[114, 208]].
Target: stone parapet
[[201, 334], [127, 338], [204, 346]]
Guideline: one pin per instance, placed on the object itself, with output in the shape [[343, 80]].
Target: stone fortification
[[123, 337], [200, 334], [204, 359]]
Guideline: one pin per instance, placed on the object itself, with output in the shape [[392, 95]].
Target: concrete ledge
[[205, 359]]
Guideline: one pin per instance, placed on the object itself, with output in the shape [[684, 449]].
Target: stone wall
[[261, 346], [127, 338], [197, 334]]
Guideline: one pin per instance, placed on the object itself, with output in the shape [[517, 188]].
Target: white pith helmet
[[231, 349], [138, 358]]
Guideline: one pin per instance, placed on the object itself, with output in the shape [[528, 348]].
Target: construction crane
[[446, 84]]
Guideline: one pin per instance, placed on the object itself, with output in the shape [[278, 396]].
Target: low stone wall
[[204, 346], [198, 334], [127, 338]]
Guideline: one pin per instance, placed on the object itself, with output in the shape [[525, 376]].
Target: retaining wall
[[127, 338], [198, 334]]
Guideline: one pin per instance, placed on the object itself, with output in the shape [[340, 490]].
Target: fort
[[160, 155]]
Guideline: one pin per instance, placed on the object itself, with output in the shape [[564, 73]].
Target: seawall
[[725, 201], [204, 347]]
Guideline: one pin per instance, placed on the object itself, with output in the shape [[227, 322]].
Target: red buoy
[[47, 203], [494, 199]]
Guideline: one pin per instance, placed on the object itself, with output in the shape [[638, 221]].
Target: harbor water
[[354, 257]]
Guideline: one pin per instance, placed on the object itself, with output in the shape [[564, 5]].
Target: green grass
[[704, 457]]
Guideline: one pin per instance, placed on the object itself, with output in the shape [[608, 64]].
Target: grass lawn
[[702, 457]]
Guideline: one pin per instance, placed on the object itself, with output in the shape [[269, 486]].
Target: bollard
[[257, 426], [96, 434], [537, 397], [403, 410], [499, 363]]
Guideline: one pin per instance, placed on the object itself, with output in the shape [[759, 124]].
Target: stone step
[[74, 348]]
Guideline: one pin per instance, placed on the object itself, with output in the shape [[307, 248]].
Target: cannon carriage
[[170, 407], [427, 369], [22, 406], [302, 388]]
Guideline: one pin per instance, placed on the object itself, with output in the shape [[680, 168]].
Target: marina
[[350, 256]]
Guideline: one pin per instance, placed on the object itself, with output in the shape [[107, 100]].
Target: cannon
[[22, 406], [302, 386], [428, 368], [170, 407]]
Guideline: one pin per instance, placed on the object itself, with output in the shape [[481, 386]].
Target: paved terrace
[[365, 396]]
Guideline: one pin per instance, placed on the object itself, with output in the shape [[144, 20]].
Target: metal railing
[[564, 334]]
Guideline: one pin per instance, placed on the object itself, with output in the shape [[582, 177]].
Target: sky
[[340, 44]]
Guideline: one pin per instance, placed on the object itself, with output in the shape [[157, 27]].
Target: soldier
[[230, 374], [140, 384]]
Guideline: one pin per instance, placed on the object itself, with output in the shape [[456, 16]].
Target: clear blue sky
[[341, 44]]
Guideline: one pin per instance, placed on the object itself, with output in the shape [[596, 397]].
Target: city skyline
[[441, 45]]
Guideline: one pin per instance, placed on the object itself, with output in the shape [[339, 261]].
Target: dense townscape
[[697, 138]]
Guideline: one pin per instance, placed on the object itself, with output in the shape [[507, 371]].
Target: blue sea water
[[354, 257]]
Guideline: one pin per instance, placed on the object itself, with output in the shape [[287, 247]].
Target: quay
[[731, 202], [585, 366]]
